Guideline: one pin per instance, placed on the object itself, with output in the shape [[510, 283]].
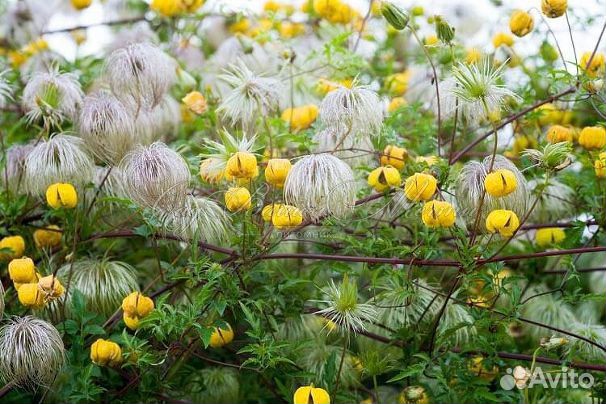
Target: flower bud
[[554, 8], [311, 395], [596, 67], [600, 166], [221, 336], [51, 287], [438, 214], [383, 178], [500, 183], [242, 165], [136, 304], [593, 137], [444, 31], [553, 342], [49, 237], [395, 16], [105, 352], [502, 39], [81, 4], [30, 295], [548, 52], [286, 216], [520, 23], [195, 102], [15, 246], [61, 195], [268, 211], [504, 222], [276, 171], [237, 199], [396, 103], [549, 236], [394, 156], [559, 133], [22, 270], [420, 187], [300, 118]]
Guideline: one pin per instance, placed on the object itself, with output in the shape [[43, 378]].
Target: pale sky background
[[483, 12]]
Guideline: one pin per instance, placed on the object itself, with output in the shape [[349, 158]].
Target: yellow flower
[[81, 4], [596, 68], [383, 178], [51, 287], [504, 222], [549, 236], [242, 165], [286, 216], [49, 237], [167, 8], [289, 29], [191, 5], [104, 352], [413, 394], [420, 187], [300, 117], [396, 103], [268, 211], [500, 183], [438, 214], [600, 166], [554, 8], [196, 102], [61, 195], [429, 160], [211, 170], [131, 322], [472, 56], [477, 367], [14, 243], [520, 23], [502, 39], [559, 133], [523, 142], [241, 26], [394, 156], [237, 199], [311, 395], [276, 171], [397, 83], [593, 137], [221, 337], [137, 304], [30, 295], [325, 86], [431, 40], [17, 58], [272, 6], [549, 114], [22, 270]]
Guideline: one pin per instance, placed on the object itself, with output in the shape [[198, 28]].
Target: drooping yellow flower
[[502, 39], [48, 237], [22, 270], [268, 211], [521, 23], [476, 366], [397, 83], [311, 395], [549, 114], [559, 133], [554, 8], [593, 137], [237, 199], [61, 195], [289, 29], [429, 160], [394, 156], [438, 214], [300, 118], [221, 336], [384, 177], [420, 187], [596, 67], [500, 183], [30, 295], [549, 236], [196, 102], [413, 394], [286, 216], [600, 166], [15, 244], [276, 171], [51, 287], [396, 103], [137, 304], [242, 165], [167, 8], [523, 142], [472, 56], [81, 4], [105, 353], [191, 6], [240, 26], [504, 222], [325, 86]]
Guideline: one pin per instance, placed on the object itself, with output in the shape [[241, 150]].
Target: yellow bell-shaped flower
[[286, 216], [554, 8], [600, 166], [276, 171], [310, 394], [105, 353], [521, 23], [559, 133], [383, 178], [15, 246], [420, 187], [22, 270], [49, 237], [242, 165], [500, 183], [30, 295], [504, 222], [195, 102], [593, 137], [51, 287], [394, 156], [438, 214], [61, 195], [549, 236], [137, 304], [238, 199], [221, 337], [300, 118]]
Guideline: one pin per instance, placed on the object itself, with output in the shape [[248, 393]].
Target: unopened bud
[[395, 16]]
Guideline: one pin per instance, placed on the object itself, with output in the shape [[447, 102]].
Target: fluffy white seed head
[[593, 332], [402, 305], [545, 309], [62, 158], [470, 186], [103, 283], [32, 352], [456, 317], [51, 96], [352, 110], [1, 300], [14, 165], [556, 201], [165, 118], [137, 33], [6, 90], [250, 96], [321, 185], [155, 176], [140, 74], [199, 218], [106, 126]]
